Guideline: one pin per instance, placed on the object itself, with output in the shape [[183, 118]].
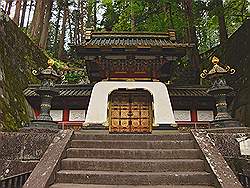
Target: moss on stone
[[18, 57]]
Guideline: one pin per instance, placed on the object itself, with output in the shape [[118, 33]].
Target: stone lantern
[[220, 90], [46, 91]]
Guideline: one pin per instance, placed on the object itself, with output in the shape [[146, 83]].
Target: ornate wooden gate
[[130, 111]]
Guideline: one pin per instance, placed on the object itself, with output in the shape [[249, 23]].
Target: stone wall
[[18, 57], [237, 56], [21, 151], [229, 147]]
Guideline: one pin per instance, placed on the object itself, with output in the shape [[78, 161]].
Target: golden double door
[[130, 111]]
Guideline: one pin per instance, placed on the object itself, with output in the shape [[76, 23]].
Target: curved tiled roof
[[85, 91], [64, 90], [128, 39], [181, 91]]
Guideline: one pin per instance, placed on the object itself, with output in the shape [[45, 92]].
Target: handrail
[[225, 178], [244, 180], [16, 181], [44, 173]]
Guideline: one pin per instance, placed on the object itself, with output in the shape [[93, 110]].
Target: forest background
[[55, 25]]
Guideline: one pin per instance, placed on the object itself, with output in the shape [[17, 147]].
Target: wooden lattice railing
[[244, 180], [16, 181]]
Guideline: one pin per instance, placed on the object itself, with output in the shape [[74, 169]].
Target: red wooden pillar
[[65, 115], [65, 118], [194, 117], [37, 113]]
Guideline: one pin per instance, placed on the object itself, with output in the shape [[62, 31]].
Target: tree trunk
[[9, 7], [171, 16], [192, 39], [167, 9], [35, 16], [81, 22], [28, 21], [76, 29], [6, 7], [41, 20], [94, 16], [133, 19], [37, 22], [45, 30], [55, 46], [62, 36], [222, 24], [16, 18], [70, 29], [23, 13]]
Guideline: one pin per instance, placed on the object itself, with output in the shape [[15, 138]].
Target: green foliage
[[73, 77], [160, 15]]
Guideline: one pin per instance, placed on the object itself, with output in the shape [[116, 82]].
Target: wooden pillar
[[37, 113], [194, 117], [65, 115]]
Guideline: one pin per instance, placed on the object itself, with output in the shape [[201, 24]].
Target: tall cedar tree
[[133, 16], [29, 14], [62, 35], [192, 38], [23, 13], [222, 23], [16, 18], [37, 21], [45, 30]]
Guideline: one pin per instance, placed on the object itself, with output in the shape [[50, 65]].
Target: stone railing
[[44, 173], [225, 177]]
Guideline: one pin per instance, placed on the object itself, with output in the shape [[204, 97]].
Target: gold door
[[130, 112]]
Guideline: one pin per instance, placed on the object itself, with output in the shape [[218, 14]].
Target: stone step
[[174, 136], [134, 153], [67, 185], [136, 144], [133, 165], [133, 178]]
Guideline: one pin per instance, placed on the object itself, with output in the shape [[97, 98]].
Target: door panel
[[130, 111]]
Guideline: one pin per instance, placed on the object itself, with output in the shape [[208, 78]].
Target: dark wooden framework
[[123, 56]]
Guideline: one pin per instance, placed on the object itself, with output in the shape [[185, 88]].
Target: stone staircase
[[128, 161]]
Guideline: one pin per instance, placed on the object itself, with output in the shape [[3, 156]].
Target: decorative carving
[[130, 66], [217, 70]]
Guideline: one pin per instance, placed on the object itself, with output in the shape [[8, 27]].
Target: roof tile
[[85, 91]]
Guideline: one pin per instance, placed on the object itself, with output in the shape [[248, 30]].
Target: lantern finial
[[50, 63], [215, 60]]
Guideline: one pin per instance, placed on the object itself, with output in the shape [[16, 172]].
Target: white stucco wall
[[98, 105], [244, 145]]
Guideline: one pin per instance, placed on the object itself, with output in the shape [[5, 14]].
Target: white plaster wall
[[57, 115], [98, 105], [76, 115], [245, 147], [182, 115], [205, 115]]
